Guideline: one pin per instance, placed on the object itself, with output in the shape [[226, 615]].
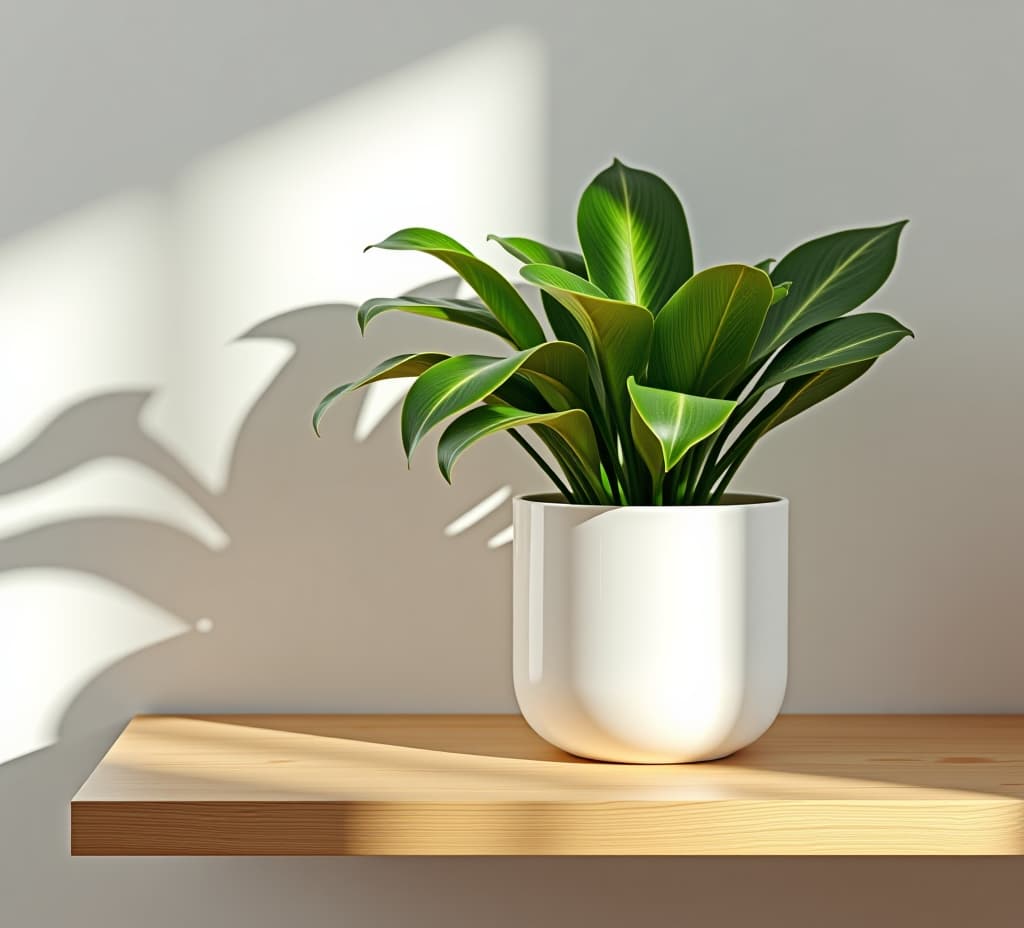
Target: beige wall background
[[175, 177]]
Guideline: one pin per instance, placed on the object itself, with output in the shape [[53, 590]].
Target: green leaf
[[566, 328], [834, 344], [804, 392], [678, 421], [781, 291], [420, 239], [634, 236], [705, 333], [794, 398], [648, 447], [495, 291], [464, 312], [831, 276], [765, 265], [572, 425], [548, 277], [619, 334], [530, 251], [557, 369], [403, 365]]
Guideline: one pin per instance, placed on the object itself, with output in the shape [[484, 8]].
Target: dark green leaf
[[495, 291], [464, 312], [527, 250], [557, 369], [572, 425], [403, 365], [794, 398], [834, 344], [831, 276], [565, 326], [634, 236]]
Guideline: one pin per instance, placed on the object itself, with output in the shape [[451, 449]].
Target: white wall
[[162, 179]]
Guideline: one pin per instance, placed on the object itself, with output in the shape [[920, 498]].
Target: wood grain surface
[[486, 784]]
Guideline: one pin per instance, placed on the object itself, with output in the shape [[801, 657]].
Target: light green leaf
[[573, 426], [705, 333], [549, 277], [634, 236], [558, 370], [495, 291], [419, 239], [834, 344], [676, 420], [530, 251], [465, 312], [403, 365], [619, 334], [831, 276], [781, 291]]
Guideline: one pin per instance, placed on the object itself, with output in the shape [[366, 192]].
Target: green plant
[[659, 381]]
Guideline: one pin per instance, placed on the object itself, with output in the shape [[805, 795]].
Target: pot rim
[[730, 501]]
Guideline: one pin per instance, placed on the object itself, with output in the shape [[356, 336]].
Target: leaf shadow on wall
[[337, 589]]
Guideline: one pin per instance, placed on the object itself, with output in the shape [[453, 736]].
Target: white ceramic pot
[[650, 634]]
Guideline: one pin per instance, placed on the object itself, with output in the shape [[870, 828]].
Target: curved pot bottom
[[574, 732], [650, 634]]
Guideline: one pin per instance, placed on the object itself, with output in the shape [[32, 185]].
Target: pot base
[[651, 635]]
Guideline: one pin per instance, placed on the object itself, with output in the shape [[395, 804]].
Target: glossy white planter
[[650, 634]]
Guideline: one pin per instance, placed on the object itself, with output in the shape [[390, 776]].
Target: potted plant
[[650, 605]]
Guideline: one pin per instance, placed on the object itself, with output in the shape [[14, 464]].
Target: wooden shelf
[[485, 784]]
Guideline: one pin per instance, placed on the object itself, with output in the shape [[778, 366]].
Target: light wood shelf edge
[[485, 785]]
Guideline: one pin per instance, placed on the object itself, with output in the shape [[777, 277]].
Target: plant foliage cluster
[[658, 381]]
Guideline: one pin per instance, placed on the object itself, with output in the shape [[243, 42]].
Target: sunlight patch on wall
[[149, 290], [280, 218], [504, 537], [85, 310], [478, 512], [148, 287]]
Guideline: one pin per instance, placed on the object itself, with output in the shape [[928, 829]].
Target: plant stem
[[608, 461], [587, 491], [544, 466], [622, 479], [686, 478], [672, 484], [721, 478], [696, 472], [631, 470], [713, 457], [723, 484]]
